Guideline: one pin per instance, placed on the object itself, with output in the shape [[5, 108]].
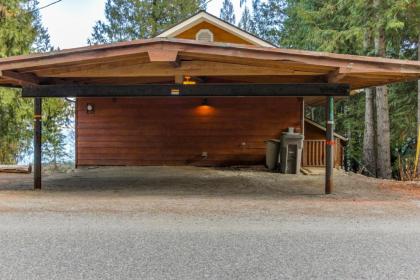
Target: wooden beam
[[199, 90], [16, 168], [162, 55], [335, 76], [21, 78], [37, 143], [86, 64], [170, 56], [59, 81], [29, 79], [188, 68]]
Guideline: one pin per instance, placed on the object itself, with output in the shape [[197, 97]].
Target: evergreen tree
[[135, 19], [369, 151], [322, 26], [15, 126], [246, 23], [57, 112], [42, 41], [56, 120], [227, 13], [352, 27], [21, 31], [16, 30], [268, 19], [265, 19], [16, 37], [418, 116]]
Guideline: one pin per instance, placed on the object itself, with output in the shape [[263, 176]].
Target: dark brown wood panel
[[177, 131]]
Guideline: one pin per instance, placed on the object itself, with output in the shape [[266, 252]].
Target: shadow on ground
[[195, 181], [177, 181]]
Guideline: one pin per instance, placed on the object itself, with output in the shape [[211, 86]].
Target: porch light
[[204, 109], [188, 81], [90, 108]]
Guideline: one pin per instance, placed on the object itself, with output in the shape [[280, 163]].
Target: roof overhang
[[165, 61]]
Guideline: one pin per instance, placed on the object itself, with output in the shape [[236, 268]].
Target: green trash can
[[272, 154]]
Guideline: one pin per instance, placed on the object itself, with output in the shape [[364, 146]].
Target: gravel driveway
[[192, 223]]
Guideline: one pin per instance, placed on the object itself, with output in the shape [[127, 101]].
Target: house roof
[[204, 16], [161, 60], [321, 127]]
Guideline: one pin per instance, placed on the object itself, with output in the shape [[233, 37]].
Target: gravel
[[187, 223]]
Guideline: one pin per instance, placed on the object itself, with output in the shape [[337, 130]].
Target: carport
[[179, 68]]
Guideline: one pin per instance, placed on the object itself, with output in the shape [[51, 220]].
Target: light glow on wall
[[205, 109]]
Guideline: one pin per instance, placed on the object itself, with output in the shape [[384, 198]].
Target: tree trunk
[[383, 134], [369, 153], [383, 149], [418, 105]]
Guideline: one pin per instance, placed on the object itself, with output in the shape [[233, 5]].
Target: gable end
[[224, 32]]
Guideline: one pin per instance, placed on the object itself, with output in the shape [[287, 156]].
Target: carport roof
[[164, 60]]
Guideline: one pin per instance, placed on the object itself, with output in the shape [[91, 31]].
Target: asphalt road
[[50, 245]]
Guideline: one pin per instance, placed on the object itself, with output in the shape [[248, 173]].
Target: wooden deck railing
[[313, 153]]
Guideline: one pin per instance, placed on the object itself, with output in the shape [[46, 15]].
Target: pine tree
[[16, 30], [268, 17], [351, 27], [135, 19], [42, 42], [21, 31], [265, 19], [16, 37], [246, 23], [227, 13], [322, 26], [57, 112], [383, 163]]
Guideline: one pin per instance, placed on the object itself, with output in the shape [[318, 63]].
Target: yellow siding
[[220, 35]]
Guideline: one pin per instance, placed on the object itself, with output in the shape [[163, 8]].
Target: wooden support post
[[330, 143], [37, 142]]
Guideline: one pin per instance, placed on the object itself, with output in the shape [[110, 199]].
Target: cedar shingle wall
[[176, 131]]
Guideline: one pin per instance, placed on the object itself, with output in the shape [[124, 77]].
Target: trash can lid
[[272, 140], [292, 136]]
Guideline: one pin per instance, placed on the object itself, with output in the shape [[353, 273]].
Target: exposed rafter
[[335, 76], [22, 79]]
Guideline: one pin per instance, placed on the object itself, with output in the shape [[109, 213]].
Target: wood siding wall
[[177, 131]]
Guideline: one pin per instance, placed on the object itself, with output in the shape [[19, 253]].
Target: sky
[[70, 22]]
